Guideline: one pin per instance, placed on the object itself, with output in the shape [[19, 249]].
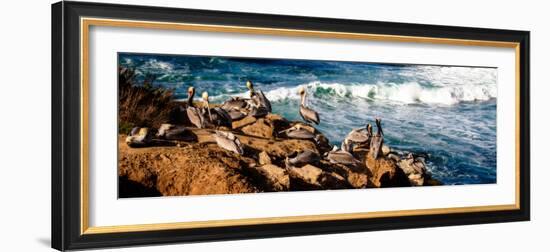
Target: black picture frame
[[66, 142]]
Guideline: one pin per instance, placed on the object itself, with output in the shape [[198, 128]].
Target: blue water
[[446, 112]]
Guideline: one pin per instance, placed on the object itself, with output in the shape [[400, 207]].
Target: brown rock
[[260, 128], [243, 122], [356, 176], [277, 122], [276, 149], [276, 178], [193, 170], [416, 179], [385, 150], [263, 158], [432, 182], [274, 117], [385, 172], [308, 174], [332, 180], [316, 178], [279, 148]]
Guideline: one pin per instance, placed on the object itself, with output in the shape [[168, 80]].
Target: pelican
[[417, 163], [228, 141], [347, 145], [139, 137], [337, 156], [298, 132], [235, 103], [235, 107], [193, 113], [309, 115], [258, 111], [258, 97], [218, 116], [360, 135], [236, 114], [378, 140], [163, 129], [173, 132], [134, 131], [302, 158]]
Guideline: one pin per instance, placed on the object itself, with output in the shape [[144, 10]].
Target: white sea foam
[[407, 93], [158, 65]]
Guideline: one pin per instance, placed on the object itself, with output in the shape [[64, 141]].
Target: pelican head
[[249, 85], [369, 129], [205, 98], [347, 145], [301, 91], [190, 95], [379, 126]]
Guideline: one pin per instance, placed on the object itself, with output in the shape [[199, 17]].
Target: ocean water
[[446, 112]]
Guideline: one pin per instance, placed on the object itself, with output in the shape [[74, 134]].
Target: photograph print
[[202, 125]]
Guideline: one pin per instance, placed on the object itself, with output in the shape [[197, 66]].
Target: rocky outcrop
[[162, 153], [263, 158], [189, 170], [310, 177], [275, 178], [356, 176], [243, 122], [174, 166], [266, 127], [259, 128], [385, 172]]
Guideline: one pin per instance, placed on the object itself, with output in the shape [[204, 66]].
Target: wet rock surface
[[269, 162]]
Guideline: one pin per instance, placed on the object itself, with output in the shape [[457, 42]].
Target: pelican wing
[[180, 133], [258, 111], [358, 136], [221, 117], [376, 145], [300, 134], [263, 101], [195, 117], [163, 129], [228, 142], [309, 115], [303, 158], [236, 114], [341, 157], [134, 131], [234, 103]]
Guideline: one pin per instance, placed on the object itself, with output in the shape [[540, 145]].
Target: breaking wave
[[406, 93]]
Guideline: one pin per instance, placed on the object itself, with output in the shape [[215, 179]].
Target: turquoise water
[[446, 112]]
